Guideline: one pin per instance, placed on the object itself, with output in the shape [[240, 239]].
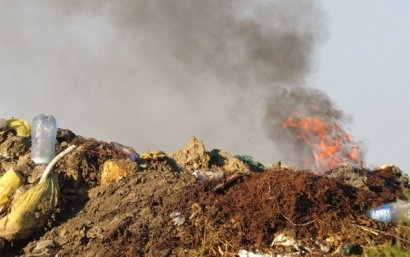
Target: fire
[[327, 144]]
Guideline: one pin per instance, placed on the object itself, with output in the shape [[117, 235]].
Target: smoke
[[150, 74]]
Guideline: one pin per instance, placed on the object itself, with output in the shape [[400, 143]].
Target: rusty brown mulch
[[249, 215]]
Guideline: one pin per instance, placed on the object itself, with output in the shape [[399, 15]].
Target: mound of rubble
[[199, 203]]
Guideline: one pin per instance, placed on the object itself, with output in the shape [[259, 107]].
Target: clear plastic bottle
[[391, 212], [43, 139]]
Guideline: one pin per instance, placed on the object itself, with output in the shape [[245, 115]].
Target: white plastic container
[[43, 139], [391, 212]]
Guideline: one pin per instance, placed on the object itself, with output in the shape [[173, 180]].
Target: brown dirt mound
[[160, 210], [117, 220], [193, 156]]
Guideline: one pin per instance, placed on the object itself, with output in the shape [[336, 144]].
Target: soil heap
[[113, 206]]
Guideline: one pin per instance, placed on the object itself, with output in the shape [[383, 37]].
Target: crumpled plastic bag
[[158, 155], [9, 182], [22, 127], [253, 165], [30, 210]]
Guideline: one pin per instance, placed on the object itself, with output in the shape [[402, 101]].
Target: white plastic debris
[[324, 248], [177, 218], [43, 244], [206, 175], [385, 166], [244, 253], [284, 240]]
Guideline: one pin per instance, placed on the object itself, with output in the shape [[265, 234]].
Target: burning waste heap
[[107, 200]]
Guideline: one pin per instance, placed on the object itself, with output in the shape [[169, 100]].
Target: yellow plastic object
[[158, 155], [115, 170], [9, 182], [22, 127], [30, 210]]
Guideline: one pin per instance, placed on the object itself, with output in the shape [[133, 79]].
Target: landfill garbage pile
[[114, 202]]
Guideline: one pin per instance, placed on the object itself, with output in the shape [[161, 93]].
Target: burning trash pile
[[92, 198]]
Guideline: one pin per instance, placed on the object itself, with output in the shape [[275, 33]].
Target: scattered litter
[[53, 162], [115, 170], [9, 182], [129, 151], [40, 245], [177, 218], [22, 127], [284, 240], [244, 253], [392, 212], [30, 210], [253, 165], [154, 156], [161, 212], [134, 157], [43, 139], [385, 166], [324, 248], [207, 175]]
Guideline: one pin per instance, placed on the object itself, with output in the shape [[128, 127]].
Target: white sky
[[364, 66]]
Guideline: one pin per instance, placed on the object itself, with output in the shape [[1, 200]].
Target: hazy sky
[[364, 66], [108, 70]]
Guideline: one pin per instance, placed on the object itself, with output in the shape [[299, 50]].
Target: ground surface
[[160, 209]]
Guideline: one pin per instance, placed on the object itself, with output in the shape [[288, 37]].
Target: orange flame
[[327, 143]]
